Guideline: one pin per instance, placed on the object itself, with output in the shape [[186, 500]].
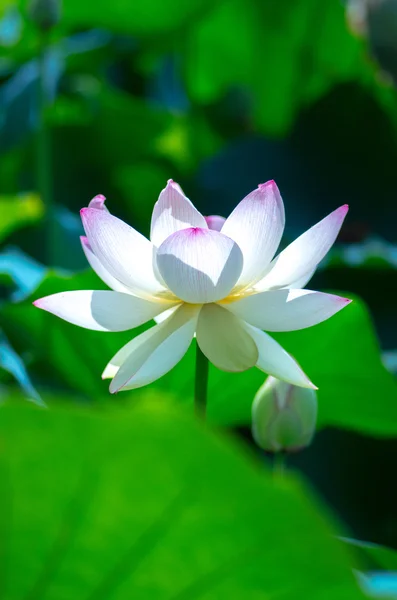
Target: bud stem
[[279, 466], [43, 155], [201, 383]]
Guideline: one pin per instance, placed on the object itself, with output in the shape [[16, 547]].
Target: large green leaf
[[152, 505]]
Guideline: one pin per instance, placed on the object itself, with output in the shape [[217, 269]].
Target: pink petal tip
[[90, 213], [175, 186]]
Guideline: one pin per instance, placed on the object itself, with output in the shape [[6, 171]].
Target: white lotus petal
[[100, 310], [172, 212], [100, 270], [224, 340], [125, 253], [276, 361], [302, 281], [257, 224], [215, 222], [199, 265], [98, 202], [304, 254], [287, 310], [164, 315], [153, 353]]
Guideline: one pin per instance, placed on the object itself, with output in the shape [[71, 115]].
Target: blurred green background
[[116, 98]]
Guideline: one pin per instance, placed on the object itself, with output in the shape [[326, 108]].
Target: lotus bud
[[283, 416]]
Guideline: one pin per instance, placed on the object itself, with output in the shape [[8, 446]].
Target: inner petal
[[172, 212], [199, 265], [215, 222], [224, 340]]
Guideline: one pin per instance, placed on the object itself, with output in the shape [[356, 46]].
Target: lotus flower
[[212, 278]]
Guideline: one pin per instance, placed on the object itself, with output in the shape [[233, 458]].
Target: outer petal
[[224, 340], [257, 224], [102, 310], [304, 254], [287, 310], [153, 353], [274, 360], [173, 212], [164, 315], [100, 270], [125, 253], [302, 281], [215, 222], [199, 265]]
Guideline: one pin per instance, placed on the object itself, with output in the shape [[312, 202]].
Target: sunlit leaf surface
[[152, 505]]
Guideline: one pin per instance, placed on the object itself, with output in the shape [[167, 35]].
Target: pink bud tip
[[270, 183], [215, 222], [98, 202]]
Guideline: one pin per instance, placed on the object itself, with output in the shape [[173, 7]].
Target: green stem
[[279, 465], [43, 157], [201, 383]]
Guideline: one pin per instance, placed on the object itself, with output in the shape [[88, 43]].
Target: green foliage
[[285, 56], [153, 505], [75, 356], [4, 4], [308, 43], [373, 557], [12, 364], [18, 211], [138, 17]]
